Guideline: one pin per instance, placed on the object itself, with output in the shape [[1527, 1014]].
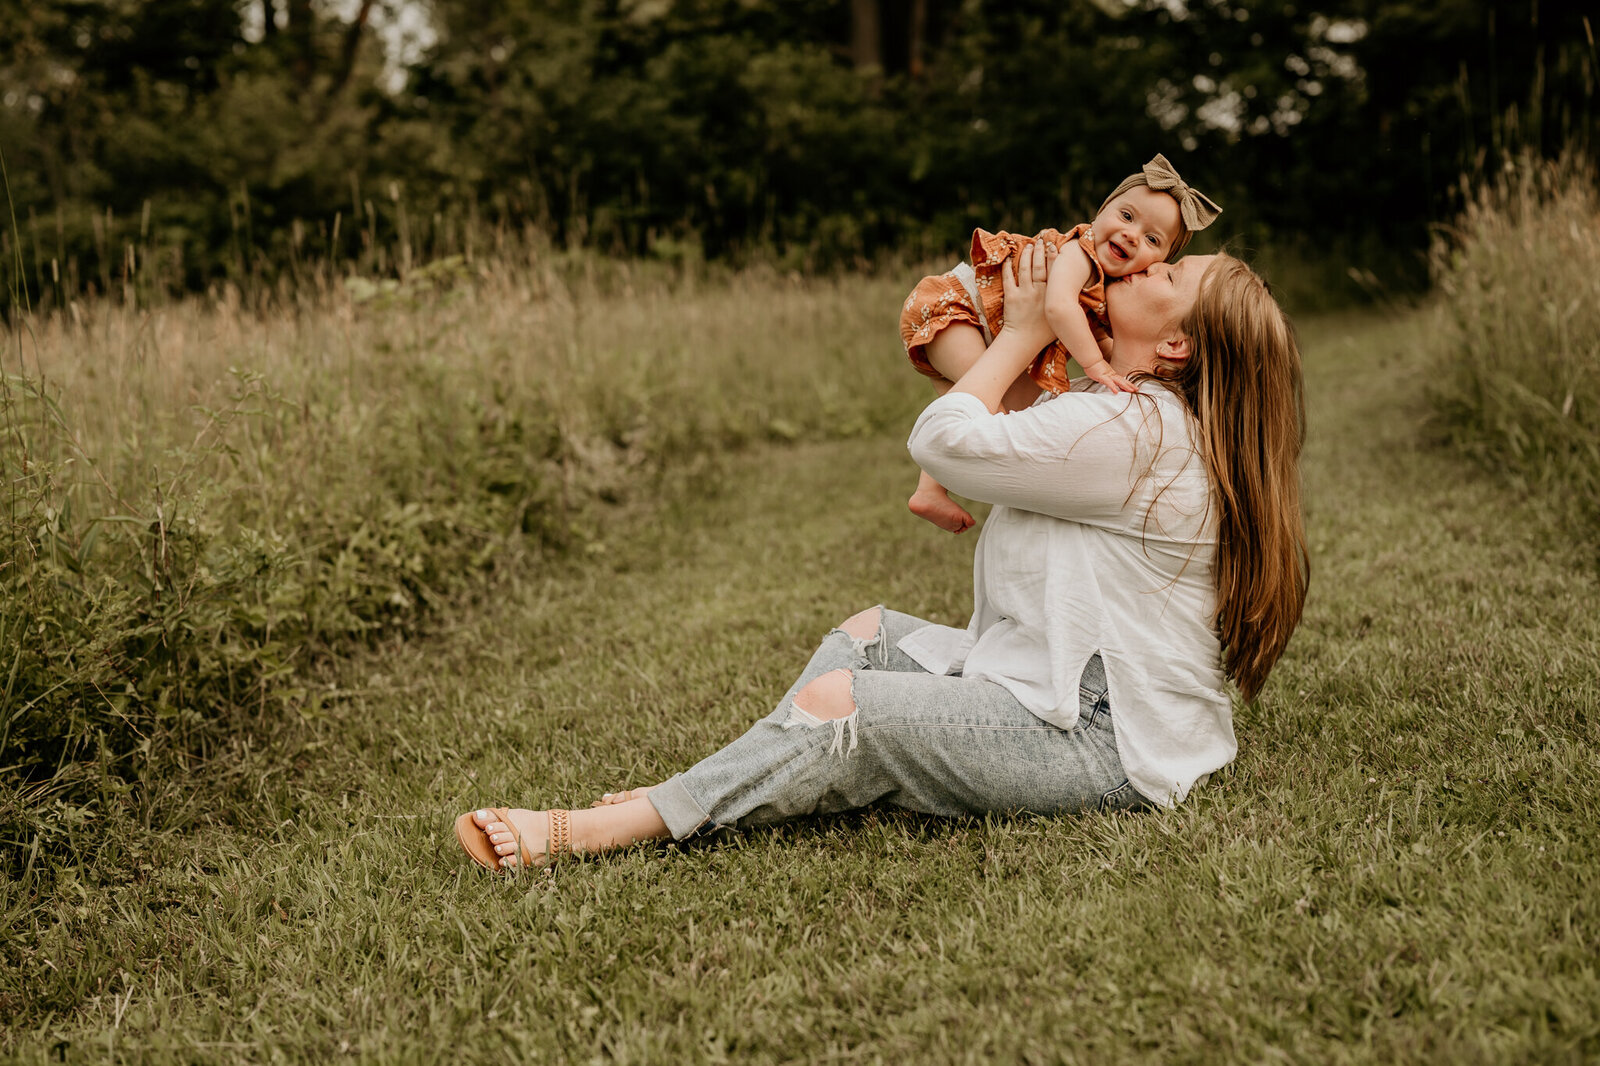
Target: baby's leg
[[933, 503], [952, 351]]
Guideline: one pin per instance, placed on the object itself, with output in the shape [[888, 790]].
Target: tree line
[[172, 144]]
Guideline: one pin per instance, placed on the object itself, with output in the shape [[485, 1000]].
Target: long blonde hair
[[1242, 384]]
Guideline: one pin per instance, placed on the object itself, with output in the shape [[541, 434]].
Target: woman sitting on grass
[[1142, 550]]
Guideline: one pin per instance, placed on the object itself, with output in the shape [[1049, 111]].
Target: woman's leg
[[861, 628], [858, 640], [853, 735], [862, 724], [960, 746]]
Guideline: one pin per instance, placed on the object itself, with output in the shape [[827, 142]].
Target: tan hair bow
[[1197, 209]]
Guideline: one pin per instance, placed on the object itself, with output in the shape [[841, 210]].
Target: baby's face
[[1135, 231]]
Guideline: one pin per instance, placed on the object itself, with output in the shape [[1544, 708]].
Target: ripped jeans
[[938, 744]]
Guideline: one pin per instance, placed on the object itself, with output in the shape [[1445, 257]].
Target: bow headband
[[1195, 207]]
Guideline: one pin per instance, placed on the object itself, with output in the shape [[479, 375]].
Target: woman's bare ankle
[[610, 798], [617, 825]]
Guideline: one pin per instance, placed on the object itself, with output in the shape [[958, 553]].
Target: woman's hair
[[1135, 181], [1242, 384]]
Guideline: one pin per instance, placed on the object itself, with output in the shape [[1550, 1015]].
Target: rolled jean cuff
[[682, 813]]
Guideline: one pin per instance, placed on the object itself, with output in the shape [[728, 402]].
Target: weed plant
[[1518, 378], [206, 503]]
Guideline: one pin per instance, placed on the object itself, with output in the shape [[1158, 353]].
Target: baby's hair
[[1134, 181]]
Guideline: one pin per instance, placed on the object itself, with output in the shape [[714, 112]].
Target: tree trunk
[[919, 33], [352, 44], [866, 36], [299, 30]]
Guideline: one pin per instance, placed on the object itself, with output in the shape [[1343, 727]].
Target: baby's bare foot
[[936, 506], [610, 798]]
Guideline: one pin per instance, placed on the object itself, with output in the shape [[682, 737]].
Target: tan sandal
[[621, 797], [475, 842]]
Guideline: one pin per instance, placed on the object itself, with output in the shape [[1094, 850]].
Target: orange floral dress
[[973, 295]]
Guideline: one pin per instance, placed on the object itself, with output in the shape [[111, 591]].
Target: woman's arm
[[1075, 457], [1079, 456]]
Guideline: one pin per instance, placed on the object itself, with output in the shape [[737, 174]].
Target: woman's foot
[[508, 838], [501, 838], [611, 798], [935, 505]]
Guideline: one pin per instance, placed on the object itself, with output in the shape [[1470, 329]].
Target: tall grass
[[205, 503], [1518, 280]]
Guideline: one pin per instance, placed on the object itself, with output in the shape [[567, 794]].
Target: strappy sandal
[[621, 797], [475, 842]]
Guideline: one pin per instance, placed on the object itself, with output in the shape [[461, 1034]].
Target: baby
[[950, 318]]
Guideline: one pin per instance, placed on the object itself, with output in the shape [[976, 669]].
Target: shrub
[[207, 503], [1518, 279], [144, 629]]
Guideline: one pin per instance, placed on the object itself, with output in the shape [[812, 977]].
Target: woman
[[1141, 552]]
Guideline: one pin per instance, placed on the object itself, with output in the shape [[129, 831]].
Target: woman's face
[[1145, 309]]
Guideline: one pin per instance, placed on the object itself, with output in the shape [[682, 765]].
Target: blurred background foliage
[[163, 146]]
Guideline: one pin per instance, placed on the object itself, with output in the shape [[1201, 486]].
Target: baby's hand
[[1101, 371]]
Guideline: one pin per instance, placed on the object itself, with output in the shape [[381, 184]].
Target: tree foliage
[[174, 144]]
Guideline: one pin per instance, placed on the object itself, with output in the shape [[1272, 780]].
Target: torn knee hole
[[827, 700], [864, 625], [827, 697], [865, 630]]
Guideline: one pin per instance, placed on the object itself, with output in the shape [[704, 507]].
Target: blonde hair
[[1242, 384], [1135, 181]]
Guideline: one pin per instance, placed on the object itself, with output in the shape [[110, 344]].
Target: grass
[[1398, 868], [206, 507]]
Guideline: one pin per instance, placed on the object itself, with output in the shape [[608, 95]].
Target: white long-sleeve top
[[1101, 538]]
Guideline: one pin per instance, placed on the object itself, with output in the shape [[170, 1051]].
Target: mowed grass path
[[1400, 867]]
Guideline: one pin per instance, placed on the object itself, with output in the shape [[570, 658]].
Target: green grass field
[[1398, 868]]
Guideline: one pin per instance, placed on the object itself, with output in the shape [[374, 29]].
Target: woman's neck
[[1125, 361]]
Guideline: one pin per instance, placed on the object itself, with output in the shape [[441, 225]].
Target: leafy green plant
[[1518, 381], [142, 631], [208, 508], [128, 649]]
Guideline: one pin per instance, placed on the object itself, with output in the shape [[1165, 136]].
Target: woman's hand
[[1024, 295], [1025, 331]]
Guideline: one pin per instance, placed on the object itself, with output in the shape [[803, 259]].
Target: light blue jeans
[[938, 744]]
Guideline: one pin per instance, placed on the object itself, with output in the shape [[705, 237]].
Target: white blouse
[[1101, 539]]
